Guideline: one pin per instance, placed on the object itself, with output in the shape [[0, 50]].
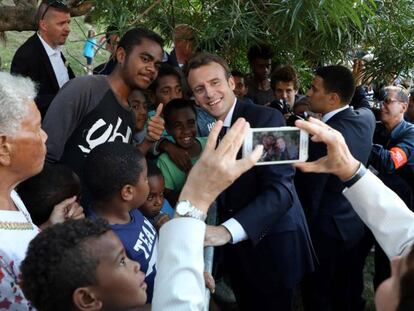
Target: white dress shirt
[[61, 72], [330, 114]]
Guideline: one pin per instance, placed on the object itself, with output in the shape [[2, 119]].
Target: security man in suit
[[336, 229], [40, 57], [267, 245]]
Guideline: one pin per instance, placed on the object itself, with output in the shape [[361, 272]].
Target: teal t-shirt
[[173, 176]]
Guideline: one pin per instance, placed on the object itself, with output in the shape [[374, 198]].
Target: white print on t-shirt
[[107, 136], [146, 239]]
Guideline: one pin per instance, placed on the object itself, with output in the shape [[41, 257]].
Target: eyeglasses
[[58, 4]]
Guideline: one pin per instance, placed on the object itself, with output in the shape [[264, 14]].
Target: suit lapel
[[48, 66], [237, 112]]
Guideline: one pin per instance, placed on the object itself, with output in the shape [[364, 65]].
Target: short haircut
[[202, 59], [402, 94], [165, 70], [177, 104], [51, 186], [134, 37], [111, 166], [183, 32], [153, 170], [285, 74], [338, 79], [58, 261], [16, 93], [110, 30], [47, 5], [262, 51]]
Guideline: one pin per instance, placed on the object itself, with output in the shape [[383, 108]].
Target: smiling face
[[140, 66], [212, 89], [120, 283], [54, 27], [182, 126], [169, 88]]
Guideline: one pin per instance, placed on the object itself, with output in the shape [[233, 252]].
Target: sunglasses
[[58, 4]]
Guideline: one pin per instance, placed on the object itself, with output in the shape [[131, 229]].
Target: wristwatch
[[357, 176], [184, 208]]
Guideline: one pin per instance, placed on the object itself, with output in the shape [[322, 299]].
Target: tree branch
[[82, 8]]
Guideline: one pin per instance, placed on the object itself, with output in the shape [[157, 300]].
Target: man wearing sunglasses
[[40, 57]]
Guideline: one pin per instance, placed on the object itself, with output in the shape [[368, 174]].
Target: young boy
[[55, 185], [181, 124], [81, 265], [116, 177], [156, 209]]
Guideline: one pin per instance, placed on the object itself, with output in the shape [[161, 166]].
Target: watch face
[[182, 208]]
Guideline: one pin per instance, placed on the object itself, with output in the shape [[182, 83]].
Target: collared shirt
[[236, 230], [61, 72], [330, 114]]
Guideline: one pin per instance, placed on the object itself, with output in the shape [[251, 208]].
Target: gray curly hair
[[15, 94]]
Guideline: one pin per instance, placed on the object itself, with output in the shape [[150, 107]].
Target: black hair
[[153, 170], [58, 261], [176, 104], [262, 51], [338, 79], [51, 186], [237, 73], [134, 37], [202, 59], [165, 70], [110, 30], [111, 166]]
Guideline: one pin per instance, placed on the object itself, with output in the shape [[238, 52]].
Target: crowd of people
[[106, 180]]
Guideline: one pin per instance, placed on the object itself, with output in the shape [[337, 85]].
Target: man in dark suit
[[335, 228], [40, 57], [267, 248]]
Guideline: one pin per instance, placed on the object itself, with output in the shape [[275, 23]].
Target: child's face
[[139, 107], [120, 283], [155, 200], [182, 126], [240, 89], [169, 88], [141, 188]]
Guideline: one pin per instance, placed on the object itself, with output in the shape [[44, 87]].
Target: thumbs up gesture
[[155, 126]]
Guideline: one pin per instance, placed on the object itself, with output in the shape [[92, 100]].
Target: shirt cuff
[[236, 230]]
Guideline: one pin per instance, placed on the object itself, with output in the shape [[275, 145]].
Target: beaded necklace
[[17, 225]]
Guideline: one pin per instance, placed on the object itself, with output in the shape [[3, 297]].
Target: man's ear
[[120, 55], [85, 299], [404, 107], [335, 100], [5, 151], [231, 83], [127, 192]]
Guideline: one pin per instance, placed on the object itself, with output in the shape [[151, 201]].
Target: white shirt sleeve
[[386, 215], [179, 283], [236, 230]]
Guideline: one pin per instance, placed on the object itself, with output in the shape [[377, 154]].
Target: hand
[[155, 126], [218, 168], [179, 156], [161, 220], [66, 209], [358, 71], [216, 236], [339, 160], [210, 283]]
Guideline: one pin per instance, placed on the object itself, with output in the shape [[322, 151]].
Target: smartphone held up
[[281, 145]]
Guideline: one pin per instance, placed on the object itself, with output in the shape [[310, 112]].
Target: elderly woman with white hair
[[22, 154]]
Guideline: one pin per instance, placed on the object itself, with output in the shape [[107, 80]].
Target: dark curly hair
[[58, 262], [111, 166], [177, 104]]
